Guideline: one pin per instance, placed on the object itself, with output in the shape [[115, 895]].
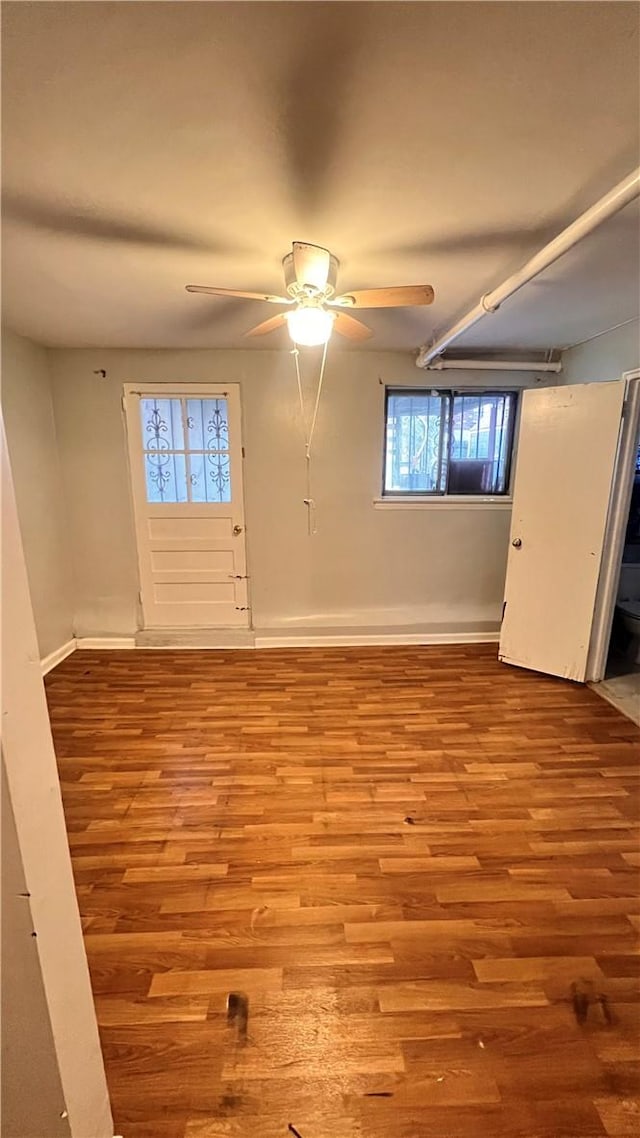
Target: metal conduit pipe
[[615, 200], [494, 365]]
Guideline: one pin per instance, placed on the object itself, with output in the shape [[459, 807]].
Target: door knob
[[517, 542], [237, 530]]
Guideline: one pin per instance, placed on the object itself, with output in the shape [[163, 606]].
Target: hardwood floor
[[414, 870]]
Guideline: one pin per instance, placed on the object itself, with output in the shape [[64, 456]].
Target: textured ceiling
[[148, 145]]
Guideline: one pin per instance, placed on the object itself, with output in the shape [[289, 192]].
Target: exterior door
[[185, 453], [566, 463]]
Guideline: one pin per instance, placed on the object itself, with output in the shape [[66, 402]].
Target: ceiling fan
[[310, 275]]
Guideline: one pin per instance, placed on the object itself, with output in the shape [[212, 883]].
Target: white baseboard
[[105, 642], [266, 639], [355, 640], [56, 657]]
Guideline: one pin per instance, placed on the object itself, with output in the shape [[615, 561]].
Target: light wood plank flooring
[[369, 892]]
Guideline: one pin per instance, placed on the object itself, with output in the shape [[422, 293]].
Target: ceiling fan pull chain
[[312, 528], [318, 394], [296, 357], [309, 501]]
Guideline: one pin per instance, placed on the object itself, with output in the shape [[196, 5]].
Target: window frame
[[430, 496]]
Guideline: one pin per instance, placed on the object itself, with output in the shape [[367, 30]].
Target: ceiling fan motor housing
[[297, 289]]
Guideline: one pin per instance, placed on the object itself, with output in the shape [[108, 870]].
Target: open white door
[[566, 463], [185, 454]]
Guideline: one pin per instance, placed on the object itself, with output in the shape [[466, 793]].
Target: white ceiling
[[148, 145]]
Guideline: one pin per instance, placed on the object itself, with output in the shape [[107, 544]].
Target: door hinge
[[243, 452], [504, 609]]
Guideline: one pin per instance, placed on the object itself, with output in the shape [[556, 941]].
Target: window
[[186, 449], [448, 442]]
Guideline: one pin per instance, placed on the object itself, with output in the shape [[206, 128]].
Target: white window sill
[[437, 502]]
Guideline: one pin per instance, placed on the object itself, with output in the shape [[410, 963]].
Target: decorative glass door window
[[186, 449]]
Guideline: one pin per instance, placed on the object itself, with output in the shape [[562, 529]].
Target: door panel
[[192, 561], [566, 460], [193, 592], [186, 473], [173, 527]]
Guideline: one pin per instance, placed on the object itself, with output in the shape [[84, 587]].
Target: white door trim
[[616, 527]]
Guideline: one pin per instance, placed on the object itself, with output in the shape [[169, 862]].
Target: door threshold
[[195, 638], [623, 692]]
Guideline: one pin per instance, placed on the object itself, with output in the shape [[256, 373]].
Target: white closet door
[[566, 461]]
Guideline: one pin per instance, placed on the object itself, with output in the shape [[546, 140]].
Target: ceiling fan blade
[[404, 296], [236, 292], [269, 325], [351, 328], [311, 265]]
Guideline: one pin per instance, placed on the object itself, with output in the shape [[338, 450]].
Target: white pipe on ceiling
[[606, 207], [494, 365]]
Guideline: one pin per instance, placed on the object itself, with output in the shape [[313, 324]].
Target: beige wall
[[29, 423], [604, 358], [439, 567]]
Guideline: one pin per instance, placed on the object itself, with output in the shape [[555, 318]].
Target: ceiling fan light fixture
[[310, 274], [310, 326]]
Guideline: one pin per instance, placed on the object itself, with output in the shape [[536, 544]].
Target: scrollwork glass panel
[[210, 477], [166, 476], [162, 424], [208, 424], [196, 472]]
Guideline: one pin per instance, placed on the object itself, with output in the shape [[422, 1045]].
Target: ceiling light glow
[[310, 326]]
